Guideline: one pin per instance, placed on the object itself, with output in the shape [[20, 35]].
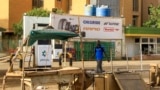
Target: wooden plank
[[99, 83], [28, 83], [14, 74], [105, 82], [66, 70], [40, 80], [41, 77], [27, 79], [41, 73], [70, 70], [111, 83]]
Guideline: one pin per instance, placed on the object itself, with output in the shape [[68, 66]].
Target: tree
[[2, 29], [154, 17], [18, 27], [39, 12]]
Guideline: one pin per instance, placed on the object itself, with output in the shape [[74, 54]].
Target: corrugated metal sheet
[[130, 81]]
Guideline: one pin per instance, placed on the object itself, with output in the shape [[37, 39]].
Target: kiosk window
[[44, 42], [144, 39], [137, 40], [152, 40], [158, 40]]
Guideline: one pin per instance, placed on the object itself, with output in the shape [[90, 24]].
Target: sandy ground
[[14, 83]]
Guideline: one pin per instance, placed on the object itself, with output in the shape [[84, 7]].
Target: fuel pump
[[43, 53]]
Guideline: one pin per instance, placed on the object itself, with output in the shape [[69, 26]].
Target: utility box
[[58, 49], [43, 53]]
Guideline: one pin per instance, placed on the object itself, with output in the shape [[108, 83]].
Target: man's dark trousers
[[99, 66]]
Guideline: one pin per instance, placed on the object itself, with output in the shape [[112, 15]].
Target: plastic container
[[90, 10], [103, 11]]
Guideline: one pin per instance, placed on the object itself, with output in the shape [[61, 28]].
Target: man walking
[[99, 53]]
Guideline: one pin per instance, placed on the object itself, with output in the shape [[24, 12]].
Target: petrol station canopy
[[48, 34]]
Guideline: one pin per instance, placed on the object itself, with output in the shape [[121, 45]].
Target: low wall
[[147, 57]]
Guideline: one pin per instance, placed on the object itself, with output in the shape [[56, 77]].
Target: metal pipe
[[127, 59], [111, 60]]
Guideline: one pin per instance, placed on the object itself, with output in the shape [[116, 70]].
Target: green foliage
[[57, 11], [2, 29], [18, 29], [39, 12], [154, 18]]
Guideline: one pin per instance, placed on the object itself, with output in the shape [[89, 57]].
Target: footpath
[[105, 62]]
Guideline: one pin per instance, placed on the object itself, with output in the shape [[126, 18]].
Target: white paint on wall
[[28, 22], [130, 46], [118, 48]]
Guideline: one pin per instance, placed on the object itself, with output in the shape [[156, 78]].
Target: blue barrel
[[103, 11], [90, 10]]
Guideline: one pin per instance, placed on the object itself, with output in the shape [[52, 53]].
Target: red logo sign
[[109, 29]]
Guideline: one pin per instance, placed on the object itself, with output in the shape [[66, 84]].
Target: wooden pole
[[82, 56], [65, 52], [22, 82]]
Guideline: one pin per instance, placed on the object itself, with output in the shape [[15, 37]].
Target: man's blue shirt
[[99, 53]]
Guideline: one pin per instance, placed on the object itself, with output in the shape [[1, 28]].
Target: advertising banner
[[65, 22], [94, 27], [101, 27]]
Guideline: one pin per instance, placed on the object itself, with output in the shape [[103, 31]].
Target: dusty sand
[[14, 83]]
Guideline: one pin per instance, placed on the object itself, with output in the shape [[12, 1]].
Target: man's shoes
[[100, 71]]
